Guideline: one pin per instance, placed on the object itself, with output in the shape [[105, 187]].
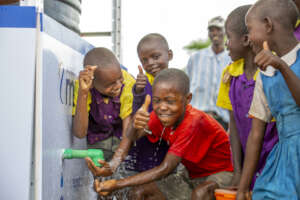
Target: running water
[[122, 172], [121, 194]]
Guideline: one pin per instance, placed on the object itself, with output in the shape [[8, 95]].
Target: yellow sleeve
[[223, 99], [126, 98], [89, 100]]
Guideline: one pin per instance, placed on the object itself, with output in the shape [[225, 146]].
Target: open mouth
[[164, 118]]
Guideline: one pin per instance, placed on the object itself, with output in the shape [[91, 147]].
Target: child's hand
[[266, 58], [142, 116], [103, 171], [141, 81], [106, 187], [86, 77]]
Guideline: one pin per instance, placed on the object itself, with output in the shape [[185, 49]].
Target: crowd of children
[[151, 125]]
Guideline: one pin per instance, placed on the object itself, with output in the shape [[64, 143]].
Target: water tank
[[66, 12]]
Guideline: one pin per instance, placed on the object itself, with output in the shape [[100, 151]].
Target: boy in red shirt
[[195, 139]]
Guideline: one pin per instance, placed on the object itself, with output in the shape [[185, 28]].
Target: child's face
[[169, 103], [108, 81], [154, 56], [216, 35], [234, 44], [257, 32]]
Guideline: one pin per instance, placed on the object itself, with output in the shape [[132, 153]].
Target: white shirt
[[204, 70]]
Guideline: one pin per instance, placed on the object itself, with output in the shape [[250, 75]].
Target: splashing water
[[122, 172], [121, 194]]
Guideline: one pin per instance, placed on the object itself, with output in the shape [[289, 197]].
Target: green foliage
[[198, 44]]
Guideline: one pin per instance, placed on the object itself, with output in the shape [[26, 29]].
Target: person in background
[[204, 69]]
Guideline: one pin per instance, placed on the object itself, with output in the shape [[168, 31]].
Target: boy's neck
[[284, 44], [249, 66]]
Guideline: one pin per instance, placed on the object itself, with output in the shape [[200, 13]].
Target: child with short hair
[[236, 93], [196, 140], [276, 94], [154, 54], [102, 100]]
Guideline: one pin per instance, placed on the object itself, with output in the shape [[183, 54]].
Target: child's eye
[[171, 101], [144, 60], [156, 57], [155, 101]]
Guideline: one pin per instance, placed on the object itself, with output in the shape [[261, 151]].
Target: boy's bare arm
[[236, 150], [167, 166], [254, 145], [123, 148], [80, 120], [129, 135]]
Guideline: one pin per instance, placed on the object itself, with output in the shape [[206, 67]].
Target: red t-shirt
[[199, 140]]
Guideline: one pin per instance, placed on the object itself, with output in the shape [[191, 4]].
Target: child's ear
[[170, 54], [268, 24], [246, 41], [189, 98]]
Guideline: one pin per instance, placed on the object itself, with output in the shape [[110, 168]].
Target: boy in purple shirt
[[102, 100], [236, 93], [154, 54]]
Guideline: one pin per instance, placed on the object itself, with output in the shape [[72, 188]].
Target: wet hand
[[266, 58], [142, 116], [103, 171], [141, 81], [86, 77], [106, 187]]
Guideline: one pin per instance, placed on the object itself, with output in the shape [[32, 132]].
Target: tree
[[197, 44]]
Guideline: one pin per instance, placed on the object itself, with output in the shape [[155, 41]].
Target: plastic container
[[223, 194]]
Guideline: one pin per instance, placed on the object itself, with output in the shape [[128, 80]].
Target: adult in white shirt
[[205, 69]]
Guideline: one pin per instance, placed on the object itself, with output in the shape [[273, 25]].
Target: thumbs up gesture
[[86, 77], [266, 58], [142, 116], [141, 81]]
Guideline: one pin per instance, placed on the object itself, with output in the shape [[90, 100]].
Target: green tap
[[94, 154]]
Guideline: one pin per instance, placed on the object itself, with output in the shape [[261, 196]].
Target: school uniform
[[236, 94], [280, 178], [106, 114]]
